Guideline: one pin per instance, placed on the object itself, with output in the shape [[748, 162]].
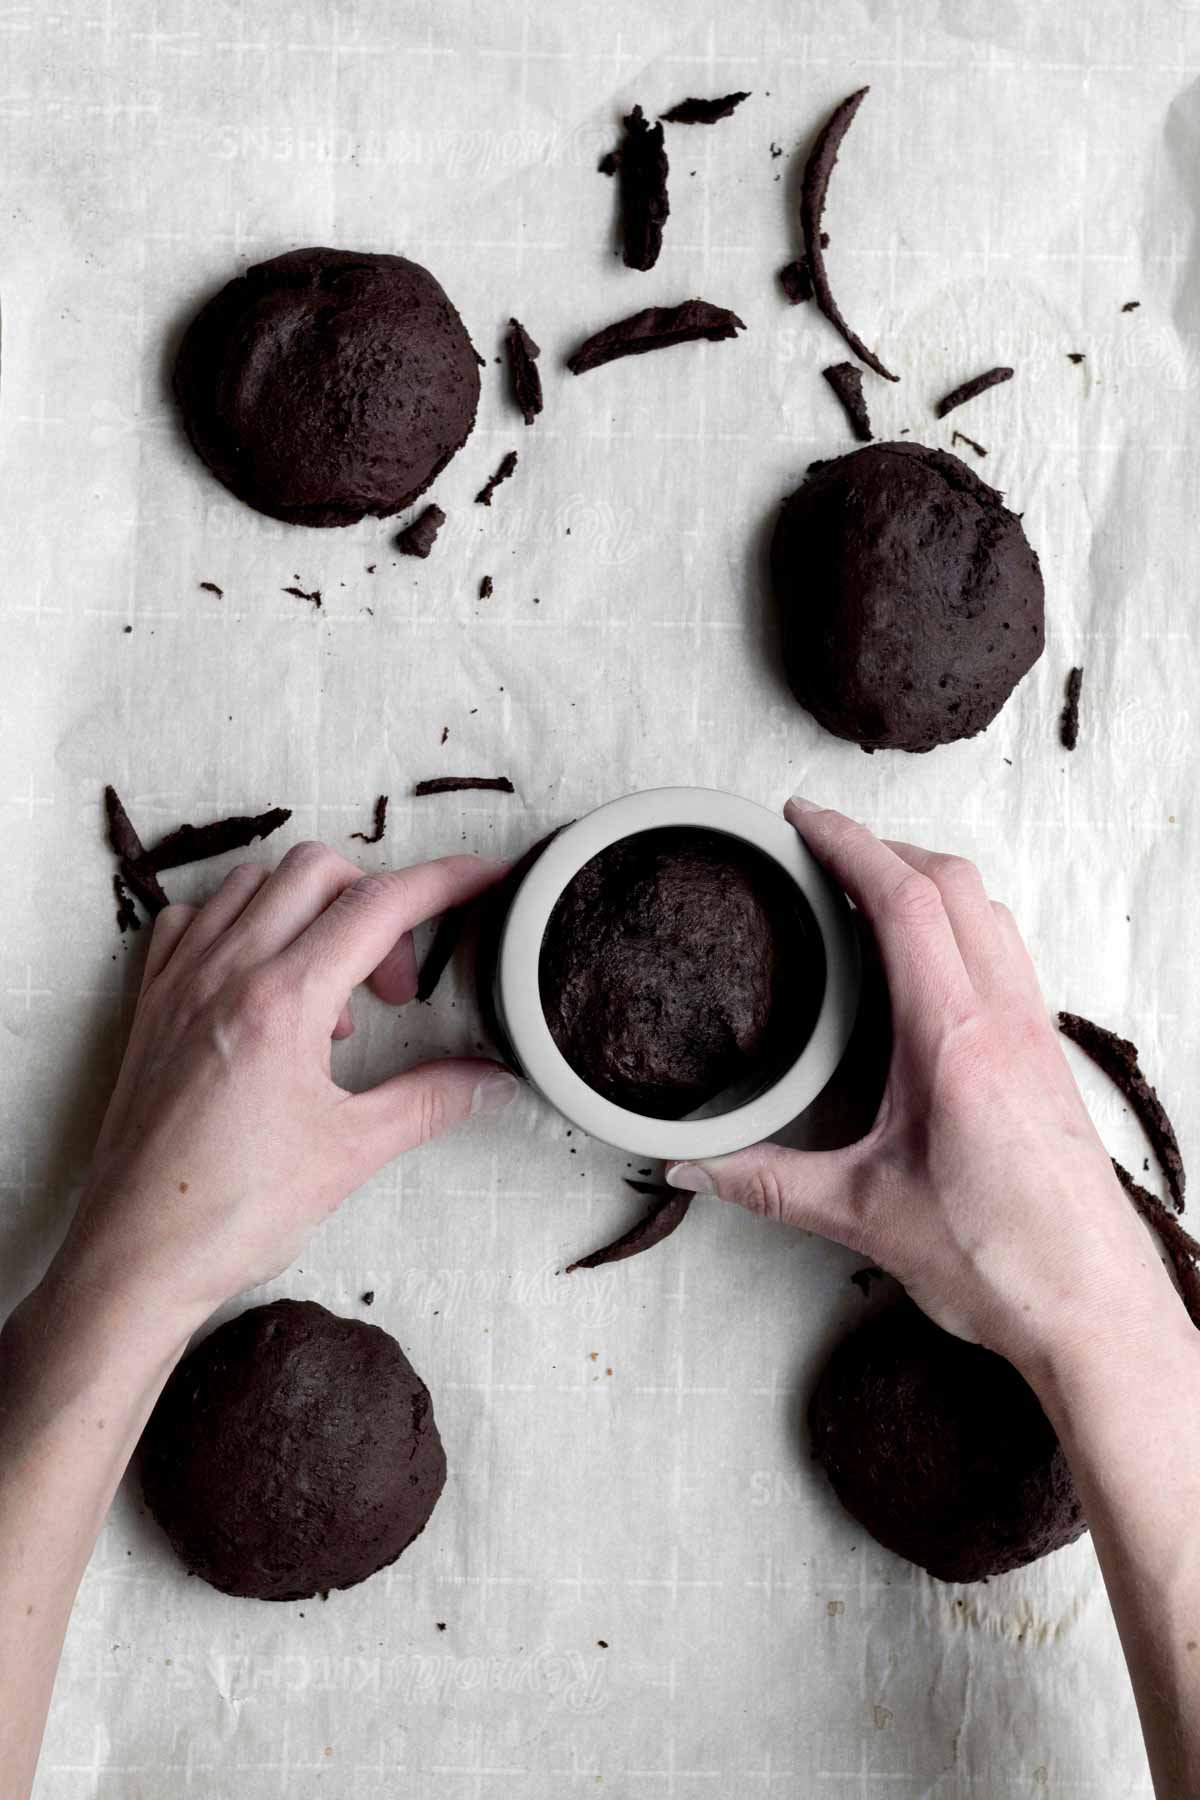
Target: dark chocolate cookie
[[941, 1451], [676, 964], [911, 600], [328, 384], [292, 1452]]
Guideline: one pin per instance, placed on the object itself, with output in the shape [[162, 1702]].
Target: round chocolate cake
[[940, 1450], [292, 1452], [328, 384], [910, 599], [679, 963]]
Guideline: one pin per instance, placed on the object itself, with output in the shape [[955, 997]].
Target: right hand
[[983, 1185]]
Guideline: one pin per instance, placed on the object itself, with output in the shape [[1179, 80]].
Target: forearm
[[79, 1374], [1126, 1405]]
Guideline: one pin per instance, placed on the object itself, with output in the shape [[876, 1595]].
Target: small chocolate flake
[[418, 538], [704, 112], [1068, 725], [374, 836], [1131, 306], [846, 382], [129, 851], [368, 1299], [127, 919], [960, 437], [445, 732], [969, 390], [210, 587], [813, 190], [655, 328], [485, 588], [1076, 356], [796, 281], [522, 369], [458, 784], [507, 464], [609, 163], [313, 598]]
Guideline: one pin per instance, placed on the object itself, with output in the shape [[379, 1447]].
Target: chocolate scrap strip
[[1180, 1246], [1119, 1060], [968, 390], [1068, 725], [846, 382], [662, 1218], [655, 328], [704, 112], [314, 598], [210, 587], [446, 935], [129, 851], [642, 170], [813, 189], [418, 538], [960, 437], [374, 836], [1131, 306], [196, 843], [507, 464], [522, 369], [458, 784]]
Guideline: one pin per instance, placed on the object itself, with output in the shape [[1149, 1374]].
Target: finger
[[967, 907], [395, 980], [308, 878], [169, 927], [226, 906], [345, 1025], [925, 969], [354, 934], [810, 1189], [412, 1108], [1020, 964]]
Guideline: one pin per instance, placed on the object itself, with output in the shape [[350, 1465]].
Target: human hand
[[227, 1139], [982, 1185]]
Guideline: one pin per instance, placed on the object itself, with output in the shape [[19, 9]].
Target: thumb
[[409, 1109], [809, 1189]]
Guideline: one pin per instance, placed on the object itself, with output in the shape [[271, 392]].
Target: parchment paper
[[626, 1449]]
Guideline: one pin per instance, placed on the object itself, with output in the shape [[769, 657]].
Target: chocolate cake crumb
[[776, 150], [127, 919], [642, 170], [960, 437], [657, 1223], [704, 112], [655, 328], [313, 598], [1119, 1060], [210, 587], [1068, 725], [418, 538], [522, 368], [1076, 356], [1131, 306], [195, 843], [445, 733], [368, 1299], [486, 588], [813, 190], [846, 382], [458, 784], [796, 281], [507, 464], [969, 390], [609, 163], [375, 835]]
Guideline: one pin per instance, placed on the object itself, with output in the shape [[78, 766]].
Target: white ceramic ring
[[518, 997]]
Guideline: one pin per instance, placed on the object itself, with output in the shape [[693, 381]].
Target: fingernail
[[691, 1178], [494, 1092], [803, 805]]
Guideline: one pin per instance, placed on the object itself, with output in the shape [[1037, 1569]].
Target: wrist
[[1092, 1366]]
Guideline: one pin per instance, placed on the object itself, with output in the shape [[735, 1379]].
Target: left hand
[[227, 1139]]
